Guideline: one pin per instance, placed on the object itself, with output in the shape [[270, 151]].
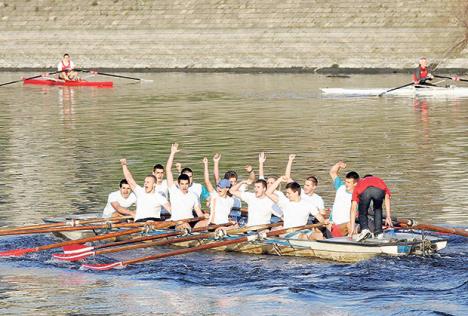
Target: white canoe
[[411, 91]]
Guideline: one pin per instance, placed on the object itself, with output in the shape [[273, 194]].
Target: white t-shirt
[[276, 208], [259, 209], [315, 200], [295, 213], [196, 188], [117, 197], [60, 65], [221, 206], [237, 201], [341, 206], [163, 190], [148, 204], [182, 204]]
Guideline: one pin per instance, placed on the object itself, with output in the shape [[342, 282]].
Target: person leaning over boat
[[296, 210], [340, 213], [369, 189], [149, 201], [259, 206], [421, 74], [183, 201], [220, 202], [119, 202], [66, 66]]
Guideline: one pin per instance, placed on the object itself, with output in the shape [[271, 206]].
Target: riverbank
[[346, 36]]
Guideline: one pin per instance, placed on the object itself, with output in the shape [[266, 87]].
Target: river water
[[60, 151]]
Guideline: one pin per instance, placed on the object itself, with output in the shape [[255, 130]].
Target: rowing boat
[[411, 91], [80, 83], [341, 249]]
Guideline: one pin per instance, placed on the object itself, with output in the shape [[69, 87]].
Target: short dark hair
[[352, 175], [263, 182], [294, 186], [65, 55], [158, 166], [313, 179], [183, 176], [230, 174], [368, 175], [122, 182], [185, 170]]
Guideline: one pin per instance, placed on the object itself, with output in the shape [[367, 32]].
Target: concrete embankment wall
[[234, 34]]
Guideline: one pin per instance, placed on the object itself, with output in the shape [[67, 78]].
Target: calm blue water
[[60, 151]]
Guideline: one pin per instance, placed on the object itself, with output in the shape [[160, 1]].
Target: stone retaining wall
[[219, 34]]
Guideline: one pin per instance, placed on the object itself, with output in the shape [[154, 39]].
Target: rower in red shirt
[[66, 66], [421, 75], [369, 189]]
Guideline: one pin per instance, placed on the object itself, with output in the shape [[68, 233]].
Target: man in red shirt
[[369, 189]]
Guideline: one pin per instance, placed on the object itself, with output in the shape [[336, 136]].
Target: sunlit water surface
[[60, 151]]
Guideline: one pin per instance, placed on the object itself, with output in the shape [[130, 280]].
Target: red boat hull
[[47, 82]]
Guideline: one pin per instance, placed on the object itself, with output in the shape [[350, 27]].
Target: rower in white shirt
[[149, 201], [161, 184], [183, 201], [295, 209], [66, 66], [119, 202], [260, 207]]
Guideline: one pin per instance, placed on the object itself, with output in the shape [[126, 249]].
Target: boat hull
[[48, 82], [404, 92]]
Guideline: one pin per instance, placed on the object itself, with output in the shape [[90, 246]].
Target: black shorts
[[147, 219]]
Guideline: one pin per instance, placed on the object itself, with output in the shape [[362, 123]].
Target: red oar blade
[[73, 256], [103, 266], [16, 252], [76, 248]]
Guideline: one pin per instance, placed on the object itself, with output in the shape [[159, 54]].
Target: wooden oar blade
[[103, 266], [73, 256], [16, 252]]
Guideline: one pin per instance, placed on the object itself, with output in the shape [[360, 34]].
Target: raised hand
[[205, 160], [175, 148], [292, 157], [248, 168], [341, 164], [123, 161], [261, 157], [216, 157], [178, 166]]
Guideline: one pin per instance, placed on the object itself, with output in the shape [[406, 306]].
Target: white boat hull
[[411, 91]]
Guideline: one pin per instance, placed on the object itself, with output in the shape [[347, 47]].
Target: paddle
[[34, 77], [393, 89], [113, 75], [451, 78], [408, 223], [86, 251], [72, 222], [249, 238], [153, 225]]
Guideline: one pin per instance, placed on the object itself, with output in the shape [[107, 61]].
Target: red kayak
[[80, 83]]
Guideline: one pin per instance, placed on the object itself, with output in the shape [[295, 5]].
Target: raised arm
[[251, 173], [235, 189], [261, 162], [272, 189], [127, 174], [335, 169], [206, 175], [289, 166], [170, 161], [216, 159]]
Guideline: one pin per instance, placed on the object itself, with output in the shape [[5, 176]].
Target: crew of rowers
[[182, 197]]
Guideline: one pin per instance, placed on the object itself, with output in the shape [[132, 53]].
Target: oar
[[393, 89], [108, 225], [72, 222], [153, 225], [34, 77], [86, 251], [249, 238], [113, 75], [451, 78], [447, 230]]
